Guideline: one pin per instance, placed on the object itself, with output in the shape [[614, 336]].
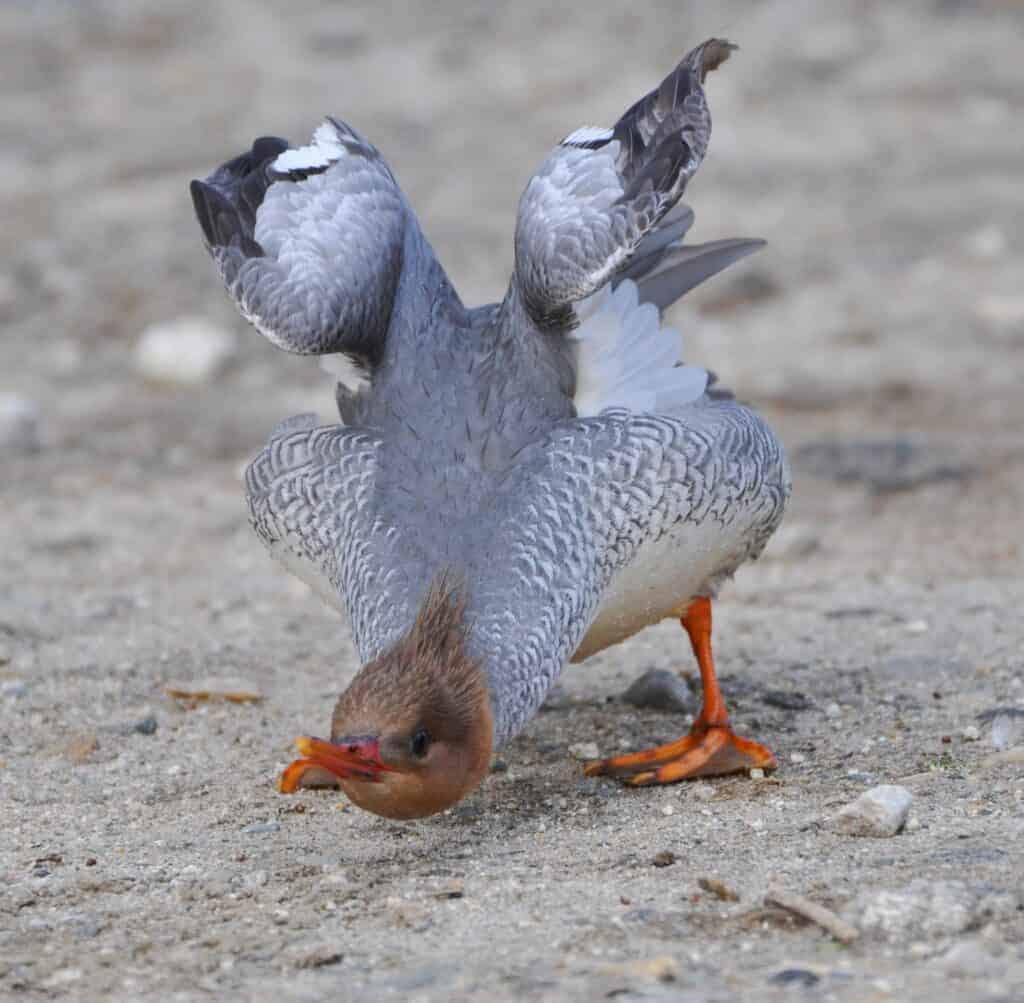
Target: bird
[[511, 487]]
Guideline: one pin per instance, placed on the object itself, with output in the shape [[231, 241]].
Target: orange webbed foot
[[705, 752], [712, 748]]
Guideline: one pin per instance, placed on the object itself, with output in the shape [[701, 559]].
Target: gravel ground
[[144, 850]]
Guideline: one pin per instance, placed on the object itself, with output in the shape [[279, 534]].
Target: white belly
[[662, 579]]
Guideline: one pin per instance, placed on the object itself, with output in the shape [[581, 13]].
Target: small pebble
[[786, 699], [19, 424], [971, 733], [719, 889], [703, 791], [667, 809], [802, 977], [913, 824], [1007, 727], [259, 828], [661, 690], [666, 858], [797, 757], [188, 351], [145, 726], [584, 751], [881, 811], [13, 688], [756, 773], [833, 710], [917, 627]]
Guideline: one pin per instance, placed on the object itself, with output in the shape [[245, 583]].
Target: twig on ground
[[825, 918]]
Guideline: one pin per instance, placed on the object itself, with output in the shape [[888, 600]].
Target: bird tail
[[625, 358]]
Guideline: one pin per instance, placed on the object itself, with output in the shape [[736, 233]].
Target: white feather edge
[[625, 358], [344, 370], [324, 149], [587, 134]]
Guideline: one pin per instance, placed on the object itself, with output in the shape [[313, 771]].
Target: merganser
[[511, 487]]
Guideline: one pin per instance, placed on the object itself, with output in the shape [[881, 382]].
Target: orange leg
[[711, 748]]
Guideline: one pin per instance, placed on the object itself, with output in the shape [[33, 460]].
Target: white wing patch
[[344, 371], [325, 149], [587, 134], [625, 358]]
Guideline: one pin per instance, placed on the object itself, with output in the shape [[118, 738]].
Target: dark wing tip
[[202, 209], [267, 148], [711, 54], [226, 202]]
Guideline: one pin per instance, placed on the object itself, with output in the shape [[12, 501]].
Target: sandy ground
[[143, 848]]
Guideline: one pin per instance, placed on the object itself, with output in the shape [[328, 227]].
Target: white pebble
[[1006, 730], [881, 811], [797, 757], [756, 773], [667, 810], [917, 627], [19, 424], [833, 710], [703, 791], [584, 750], [971, 733], [187, 351]]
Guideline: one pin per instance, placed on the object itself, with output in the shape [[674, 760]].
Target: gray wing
[[309, 490], [601, 206], [309, 242]]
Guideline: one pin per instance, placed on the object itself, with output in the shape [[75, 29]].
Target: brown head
[[412, 734]]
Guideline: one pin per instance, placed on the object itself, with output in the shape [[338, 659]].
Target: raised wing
[[600, 247], [309, 241], [602, 202]]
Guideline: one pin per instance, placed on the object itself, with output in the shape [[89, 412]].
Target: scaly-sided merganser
[[513, 486]]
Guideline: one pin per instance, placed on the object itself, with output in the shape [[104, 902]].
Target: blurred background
[[876, 146]]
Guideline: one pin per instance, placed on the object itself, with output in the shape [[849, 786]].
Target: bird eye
[[420, 742]]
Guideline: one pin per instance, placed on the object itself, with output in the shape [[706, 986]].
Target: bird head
[[412, 734]]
